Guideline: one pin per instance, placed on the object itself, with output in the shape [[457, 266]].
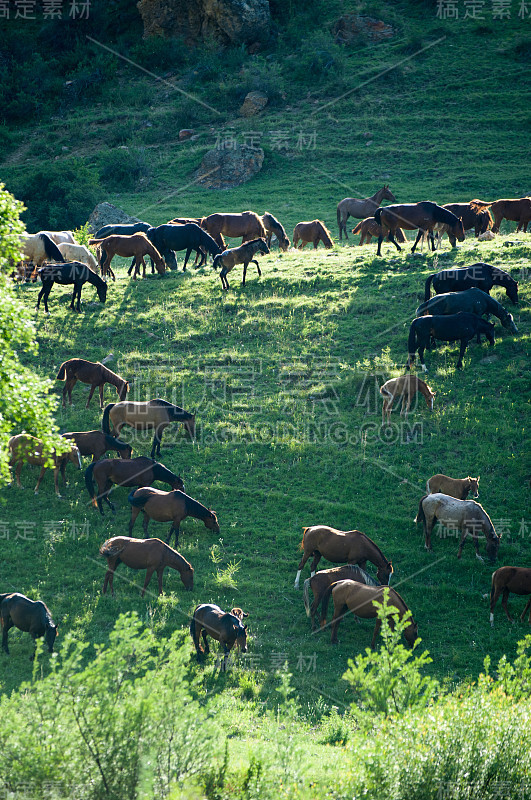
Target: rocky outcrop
[[228, 21], [107, 214], [254, 102], [226, 168], [350, 27]]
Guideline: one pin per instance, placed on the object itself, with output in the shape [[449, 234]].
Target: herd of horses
[[455, 313]]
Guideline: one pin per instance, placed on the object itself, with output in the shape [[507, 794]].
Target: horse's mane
[[108, 372], [194, 507], [157, 401], [327, 236], [369, 580], [373, 543], [162, 473]]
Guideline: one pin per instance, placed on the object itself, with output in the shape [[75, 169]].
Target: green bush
[[122, 169]]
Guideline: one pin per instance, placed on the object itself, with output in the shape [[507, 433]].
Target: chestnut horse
[[368, 228], [154, 415], [31, 616], [465, 516], [136, 245], [455, 487], [353, 547], [248, 225], [274, 228], [26, 448], [315, 232], [424, 216], [240, 255], [227, 628], [516, 210], [405, 387], [96, 444], [140, 471], [95, 373], [506, 580], [168, 506], [149, 554], [357, 598], [324, 578], [359, 209]]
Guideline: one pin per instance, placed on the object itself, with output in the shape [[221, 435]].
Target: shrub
[[121, 170]]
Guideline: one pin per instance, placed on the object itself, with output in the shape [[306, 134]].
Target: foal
[[95, 373], [240, 255], [405, 387]]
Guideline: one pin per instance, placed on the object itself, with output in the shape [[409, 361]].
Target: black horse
[[167, 238], [69, 272], [462, 326], [475, 301], [122, 230], [409, 216], [480, 276], [32, 616]]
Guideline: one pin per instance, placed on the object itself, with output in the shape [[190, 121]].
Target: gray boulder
[[107, 214], [226, 168]]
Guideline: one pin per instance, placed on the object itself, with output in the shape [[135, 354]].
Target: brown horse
[[405, 387], [454, 487], [359, 209], [464, 516], [31, 616], [354, 547], [516, 210], [239, 255], [506, 580], [136, 245], [248, 225], [155, 415], [368, 228], [149, 554], [424, 216], [471, 216], [314, 232], [356, 598], [140, 471], [168, 506], [26, 448], [95, 373], [227, 628], [274, 228], [324, 578], [96, 444]]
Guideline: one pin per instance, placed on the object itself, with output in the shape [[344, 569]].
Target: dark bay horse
[[248, 225], [153, 415], [506, 580], [168, 507], [244, 254], [357, 598], [31, 616], [24, 448], [94, 373], [97, 443], [514, 209], [460, 327], [424, 216], [481, 276], [167, 238], [122, 230], [141, 471], [69, 272], [354, 547], [314, 232], [471, 216], [474, 301], [465, 516], [149, 554], [320, 582], [359, 209], [274, 228], [227, 628]]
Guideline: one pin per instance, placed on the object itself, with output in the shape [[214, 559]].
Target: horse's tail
[[339, 215], [61, 375], [302, 540], [3, 596], [95, 241], [421, 517], [324, 603], [195, 638], [421, 309], [51, 249], [89, 483], [217, 261], [105, 419], [377, 216], [306, 595], [357, 229], [427, 286], [137, 502]]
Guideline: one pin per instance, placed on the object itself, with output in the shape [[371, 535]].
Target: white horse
[[60, 237], [38, 247], [78, 252]]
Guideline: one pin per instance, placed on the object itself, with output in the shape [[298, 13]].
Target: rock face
[[226, 168], [254, 102], [107, 214], [228, 21], [348, 27]]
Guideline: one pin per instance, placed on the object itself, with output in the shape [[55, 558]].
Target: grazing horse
[[516, 209], [368, 228], [359, 209], [424, 216], [465, 516], [95, 373], [141, 471], [354, 547], [227, 628], [405, 387], [137, 245], [24, 448], [248, 225], [506, 580], [168, 238], [481, 221], [71, 272], [168, 507], [122, 230], [314, 232], [30, 616], [154, 415], [357, 598], [481, 276], [96, 444], [149, 554], [80, 253], [274, 228], [451, 328], [60, 237], [320, 582], [240, 255], [455, 487], [474, 301], [39, 247]]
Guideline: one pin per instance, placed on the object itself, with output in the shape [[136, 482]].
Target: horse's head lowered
[[177, 483], [211, 521], [384, 573], [493, 544], [49, 635]]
